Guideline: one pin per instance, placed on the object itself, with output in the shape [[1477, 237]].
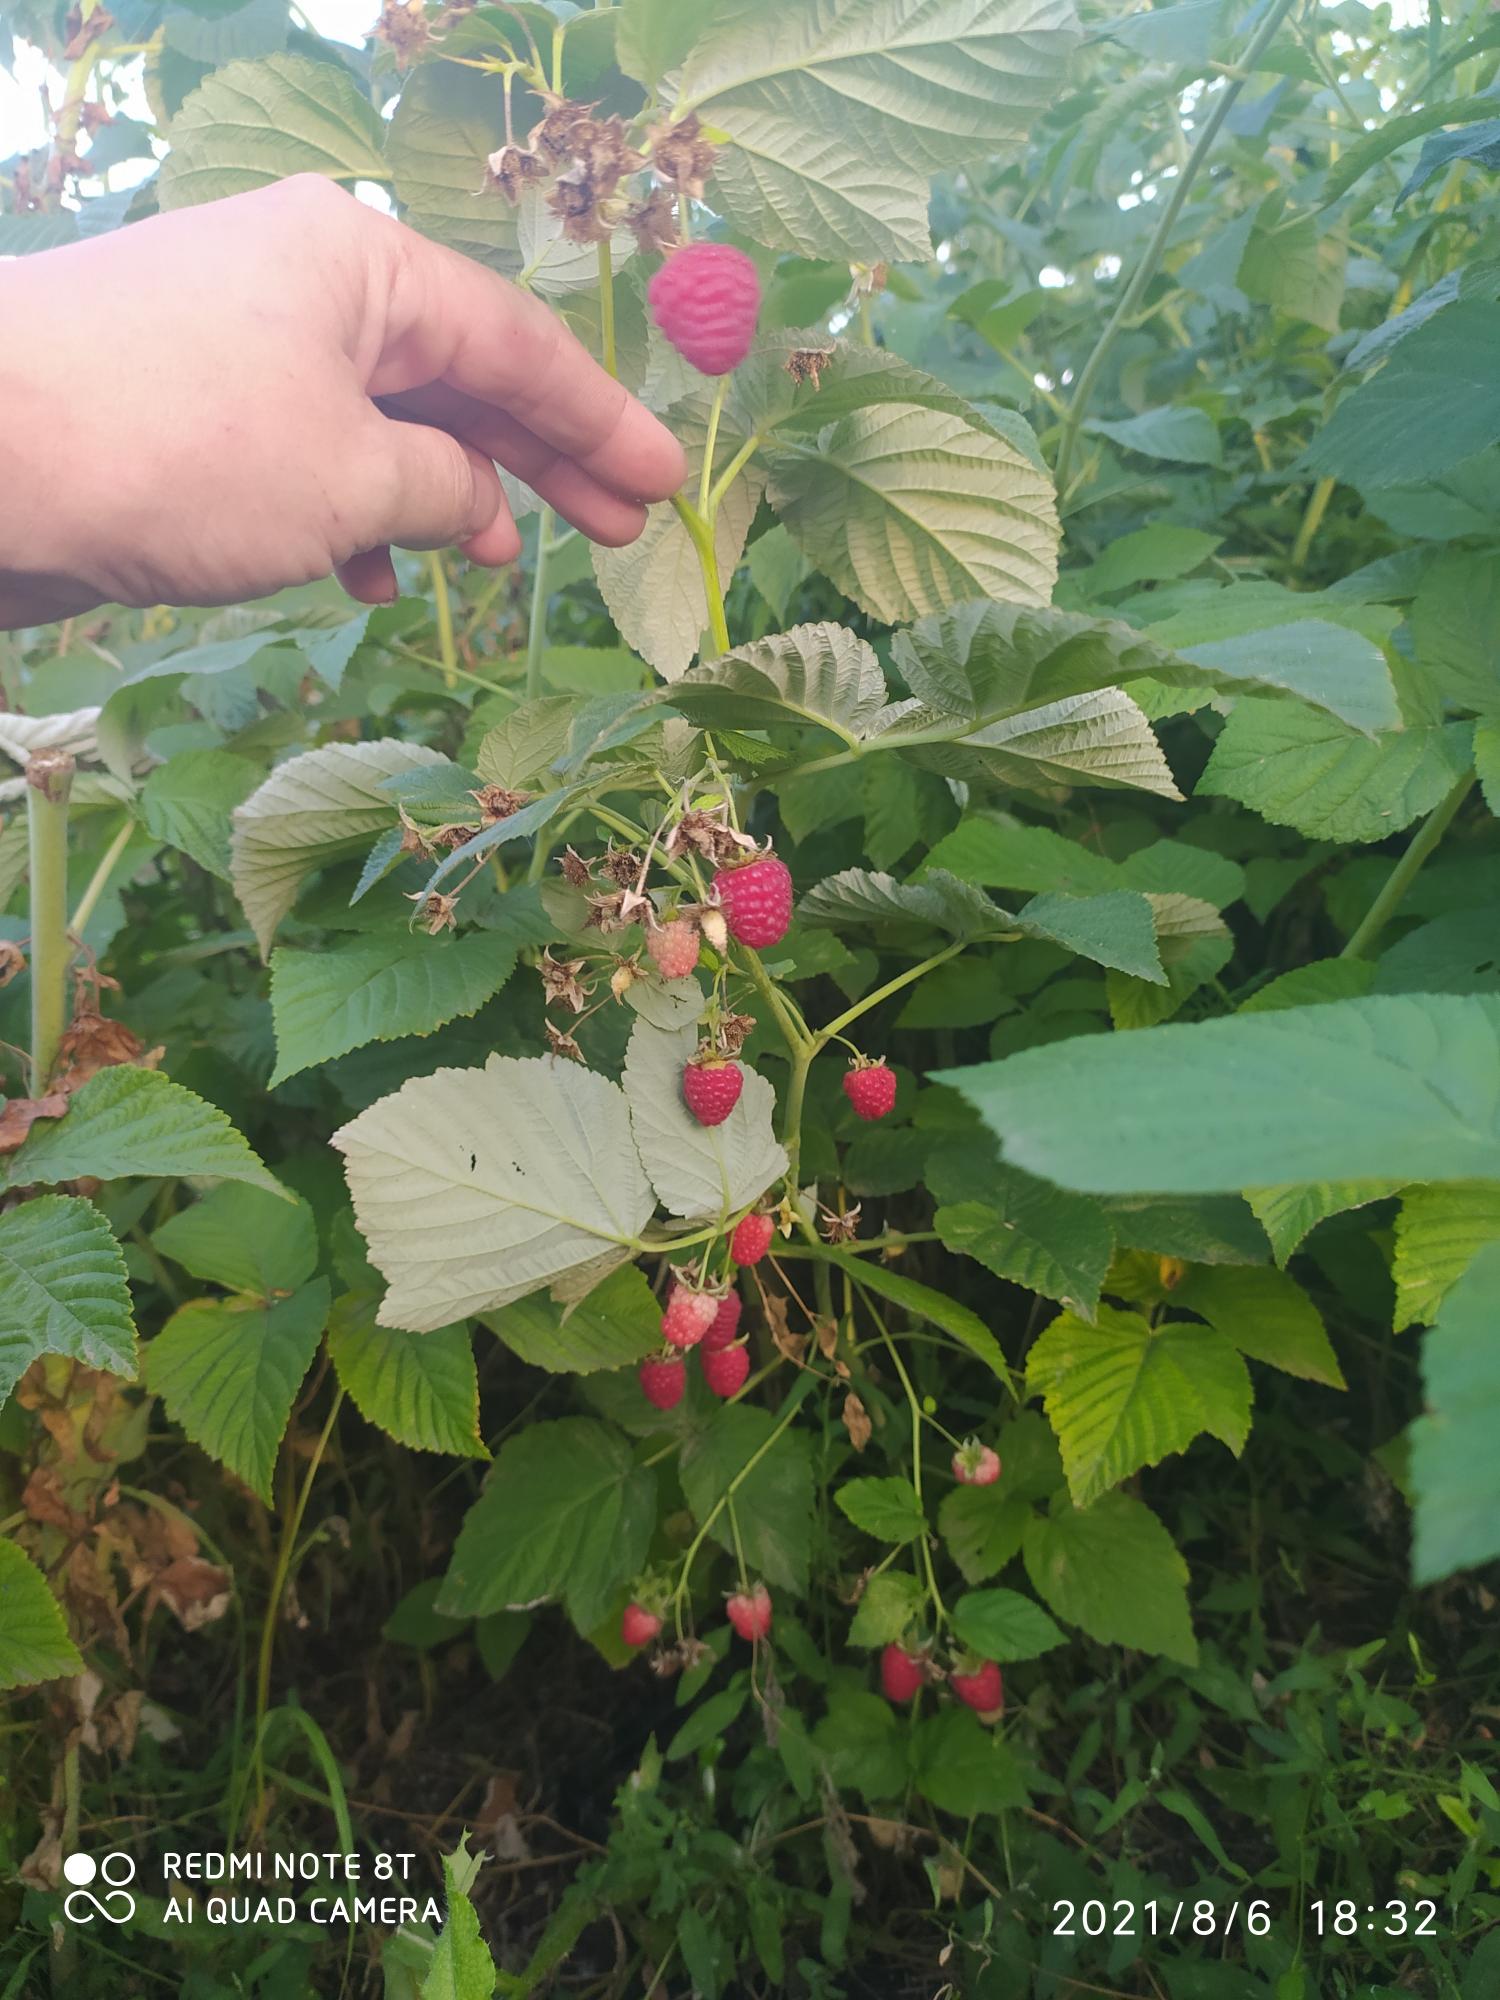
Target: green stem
[[1401, 877], [443, 604], [836, 1027], [731, 472], [1156, 248], [536, 634], [49, 782], [791, 1128], [702, 538], [607, 305], [89, 900], [1312, 520], [915, 1405], [794, 1401], [710, 445], [290, 1528]]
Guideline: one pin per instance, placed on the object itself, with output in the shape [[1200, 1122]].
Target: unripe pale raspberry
[[711, 1090], [901, 1673], [871, 1089], [725, 1369], [980, 1689], [757, 901], [674, 947], [706, 299], [663, 1381], [726, 1324], [975, 1464], [638, 1626], [688, 1317], [750, 1612], [751, 1239]]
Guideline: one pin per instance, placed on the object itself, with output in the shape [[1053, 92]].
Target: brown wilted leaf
[[43, 1500], [828, 1338], [806, 364], [12, 961], [195, 1592], [792, 1345], [856, 1421], [91, 1043], [21, 1113]]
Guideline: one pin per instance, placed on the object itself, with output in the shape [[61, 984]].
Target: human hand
[[230, 399]]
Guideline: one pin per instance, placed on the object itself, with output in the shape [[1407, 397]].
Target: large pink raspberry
[[705, 299], [757, 901]]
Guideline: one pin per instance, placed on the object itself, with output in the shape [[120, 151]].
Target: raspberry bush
[[1068, 670]]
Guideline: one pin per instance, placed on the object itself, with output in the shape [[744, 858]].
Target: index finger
[[450, 320]]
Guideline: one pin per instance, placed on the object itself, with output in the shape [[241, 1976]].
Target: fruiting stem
[[710, 445], [916, 1455], [702, 537], [1312, 520], [835, 1028], [730, 473], [1404, 873], [89, 900], [49, 782], [536, 631], [443, 604], [607, 304]]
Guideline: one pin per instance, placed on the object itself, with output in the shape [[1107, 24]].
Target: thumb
[[436, 492]]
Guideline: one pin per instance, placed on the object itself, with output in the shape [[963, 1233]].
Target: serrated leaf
[[446, 123], [838, 113], [1117, 929], [565, 1514], [821, 674], [1312, 985], [982, 1527], [909, 510], [244, 1239], [1121, 1393], [420, 1388], [1439, 1232], [1116, 1573], [925, 1303], [1089, 739], [1051, 1242], [34, 1642], [377, 989], [1325, 665], [1402, 1085], [187, 802], [62, 1291], [1455, 1472], [773, 1502], [1179, 432], [228, 1371], [1289, 1214], [964, 1768], [136, 1121], [617, 1322], [1195, 944], [252, 123], [474, 1187], [1309, 771], [461, 1967], [697, 1170], [1267, 1315], [891, 1602], [1003, 1625], [888, 1509], [856, 897], [532, 737], [322, 806], [1435, 402]]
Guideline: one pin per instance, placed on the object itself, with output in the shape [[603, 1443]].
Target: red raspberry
[[751, 1239], [900, 1673], [974, 1464], [726, 1324], [982, 1690], [674, 947], [750, 1612], [688, 1316], [711, 1090], [706, 299], [664, 1381], [757, 901], [725, 1369], [638, 1626], [871, 1089]]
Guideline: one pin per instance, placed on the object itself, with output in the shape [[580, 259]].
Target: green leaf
[[530, 739], [1115, 1572], [1436, 401], [136, 1121], [447, 122], [655, 35], [1147, 555], [617, 1323], [1188, 435], [1439, 1233], [1038, 1236], [62, 1278], [1003, 1625], [697, 1170], [1087, 739], [1453, 620], [244, 1239], [1312, 985], [982, 1527], [1121, 1393], [1308, 771], [1455, 1471], [772, 1503], [821, 674], [890, 1604], [228, 1371], [922, 1302], [1296, 265], [1267, 1315], [1195, 943], [888, 1509], [187, 802], [378, 989], [964, 1768], [1289, 1214], [421, 1388], [322, 806], [1392, 133], [474, 1187], [1117, 929], [909, 510], [34, 1642], [864, 1744], [252, 123], [1400, 1086], [856, 897], [1325, 665], [837, 115], [565, 1515], [461, 1968], [707, 1722]]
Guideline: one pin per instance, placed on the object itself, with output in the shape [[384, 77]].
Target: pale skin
[[230, 399]]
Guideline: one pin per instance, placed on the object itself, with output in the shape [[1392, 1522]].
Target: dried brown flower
[[560, 982], [435, 911], [403, 28], [575, 869], [559, 1044], [512, 168], [681, 155]]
